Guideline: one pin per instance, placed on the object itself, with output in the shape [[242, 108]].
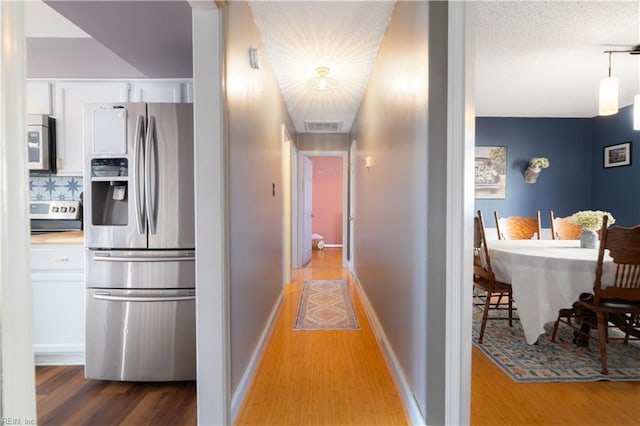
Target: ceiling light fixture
[[322, 83], [608, 104]]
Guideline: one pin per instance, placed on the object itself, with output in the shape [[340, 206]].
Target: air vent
[[322, 126]]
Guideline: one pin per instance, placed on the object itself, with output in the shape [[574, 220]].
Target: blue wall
[[564, 187], [616, 189]]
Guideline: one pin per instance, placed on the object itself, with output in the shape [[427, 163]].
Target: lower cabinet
[[57, 274]]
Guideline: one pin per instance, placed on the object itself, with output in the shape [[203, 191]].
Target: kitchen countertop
[[68, 237]]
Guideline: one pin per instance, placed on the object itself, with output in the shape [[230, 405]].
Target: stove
[[55, 216]]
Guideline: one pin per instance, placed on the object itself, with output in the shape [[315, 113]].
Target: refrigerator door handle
[[108, 258], [150, 188], [144, 298], [138, 153]]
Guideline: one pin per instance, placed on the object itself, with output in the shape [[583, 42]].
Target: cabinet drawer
[[57, 258]]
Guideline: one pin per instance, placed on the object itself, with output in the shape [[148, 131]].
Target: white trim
[[287, 206], [59, 354], [460, 149], [345, 195], [17, 373], [399, 378], [211, 219], [249, 373], [333, 245]]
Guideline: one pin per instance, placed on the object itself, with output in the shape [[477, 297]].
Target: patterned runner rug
[[325, 305], [554, 362]]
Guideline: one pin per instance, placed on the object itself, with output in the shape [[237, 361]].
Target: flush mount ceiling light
[[322, 83]]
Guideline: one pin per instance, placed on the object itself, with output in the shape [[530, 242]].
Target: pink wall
[[327, 198]]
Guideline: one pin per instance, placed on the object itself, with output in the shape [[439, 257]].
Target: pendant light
[[608, 104]]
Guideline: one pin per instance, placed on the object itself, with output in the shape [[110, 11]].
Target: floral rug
[[325, 305], [554, 362]]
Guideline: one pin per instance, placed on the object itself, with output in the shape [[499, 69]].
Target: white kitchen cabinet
[[57, 275], [39, 97], [70, 98], [157, 91]]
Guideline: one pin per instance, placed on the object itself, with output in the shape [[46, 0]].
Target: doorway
[[330, 224]]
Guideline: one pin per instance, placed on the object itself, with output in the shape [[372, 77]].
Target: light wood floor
[[327, 377], [322, 377]]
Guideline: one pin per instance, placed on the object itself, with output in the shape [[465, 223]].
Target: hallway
[[322, 377]]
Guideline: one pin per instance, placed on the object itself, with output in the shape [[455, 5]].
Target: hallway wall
[[403, 192], [255, 111]]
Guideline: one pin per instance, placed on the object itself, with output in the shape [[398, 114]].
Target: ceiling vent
[[322, 126]]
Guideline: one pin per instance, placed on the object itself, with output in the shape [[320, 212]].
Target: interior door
[[307, 209]]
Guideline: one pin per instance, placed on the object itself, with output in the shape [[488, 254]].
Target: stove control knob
[[54, 209], [63, 209]]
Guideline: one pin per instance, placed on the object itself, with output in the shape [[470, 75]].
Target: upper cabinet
[[70, 98], [39, 97], [156, 92]]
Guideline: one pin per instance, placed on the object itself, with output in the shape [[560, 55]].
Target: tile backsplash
[[55, 187]]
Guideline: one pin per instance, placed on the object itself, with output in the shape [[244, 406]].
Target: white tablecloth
[[546, 275]]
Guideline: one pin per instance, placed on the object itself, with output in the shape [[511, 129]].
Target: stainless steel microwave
[[41, 143]]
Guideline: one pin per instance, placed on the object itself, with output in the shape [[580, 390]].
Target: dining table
[[546, 275]]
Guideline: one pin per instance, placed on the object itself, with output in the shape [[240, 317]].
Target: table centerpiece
[[591, 221]]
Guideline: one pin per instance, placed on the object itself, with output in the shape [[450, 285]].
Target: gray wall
[[255, 112], [399, 261], [323, 141]]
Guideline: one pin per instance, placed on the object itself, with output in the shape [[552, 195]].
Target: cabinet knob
[[60, 259]]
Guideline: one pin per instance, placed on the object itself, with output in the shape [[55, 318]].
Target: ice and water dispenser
[[109, 187]]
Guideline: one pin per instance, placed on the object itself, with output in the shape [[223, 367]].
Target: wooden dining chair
[[562, 229], [615, 300], [517, 227], [493, 292]]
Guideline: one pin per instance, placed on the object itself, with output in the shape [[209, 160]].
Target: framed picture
[[491, 172], [617, 155]]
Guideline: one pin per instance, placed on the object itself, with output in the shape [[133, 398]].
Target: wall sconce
[[369, 162], [322, 83], [536, 165]]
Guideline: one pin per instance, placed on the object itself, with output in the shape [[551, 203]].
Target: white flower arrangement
[[591, 219], [539, 163]]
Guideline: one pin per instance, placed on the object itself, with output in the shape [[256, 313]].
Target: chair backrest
[[562, 229], [517, 227], [481, 261], [624, 248]]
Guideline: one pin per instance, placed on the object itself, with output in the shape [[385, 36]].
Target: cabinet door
[[58, 304], [169, 91], [39, 97], [70, 98]]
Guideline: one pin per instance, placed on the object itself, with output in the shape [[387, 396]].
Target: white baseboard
[[58, 354], [389, 355], [241, 391], [333, 245]]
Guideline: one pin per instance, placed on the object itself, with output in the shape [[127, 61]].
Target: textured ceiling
[[546, 58], [300, 36]]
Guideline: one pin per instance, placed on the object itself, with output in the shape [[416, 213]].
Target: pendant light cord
[[610, 64]]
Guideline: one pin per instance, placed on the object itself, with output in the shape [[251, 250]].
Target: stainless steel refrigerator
[[140, 242]]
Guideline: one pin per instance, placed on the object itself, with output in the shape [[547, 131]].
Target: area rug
[[561, 361], [325, 305]]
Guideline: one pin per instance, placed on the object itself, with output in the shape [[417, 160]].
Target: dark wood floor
[[65, 397]]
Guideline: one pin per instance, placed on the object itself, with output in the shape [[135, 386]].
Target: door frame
[[288, 158], [298, 212]]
